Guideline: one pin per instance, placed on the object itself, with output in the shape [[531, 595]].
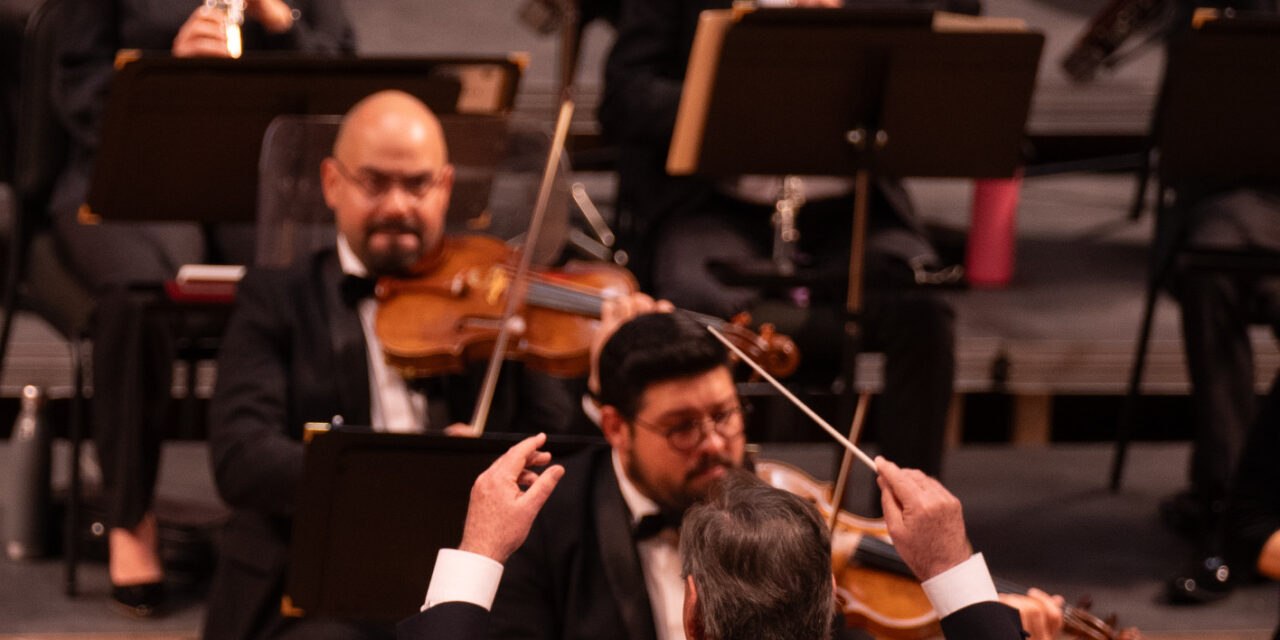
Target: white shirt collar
[[351, 263], [637, 503]]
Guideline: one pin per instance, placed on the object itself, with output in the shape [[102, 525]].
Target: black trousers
[[133, 346], [1217, 309]]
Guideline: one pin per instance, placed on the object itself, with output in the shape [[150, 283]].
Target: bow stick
[[846, 461], [852, 448], [519, 283]]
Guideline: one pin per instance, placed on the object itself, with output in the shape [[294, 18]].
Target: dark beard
[[683, 500], [395, 261]]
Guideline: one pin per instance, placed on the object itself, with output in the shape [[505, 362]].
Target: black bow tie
[[356, 288], [653, 524]]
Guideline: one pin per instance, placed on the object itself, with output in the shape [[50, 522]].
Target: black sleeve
[[525, 606], [322, 28], [256, 464], [645, 71], [84, 54], [984, 620], [454, 620]]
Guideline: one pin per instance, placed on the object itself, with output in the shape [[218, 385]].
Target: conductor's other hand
[[1041, 613], [203, 35], [923, 518], [614, 313], [500, 512]]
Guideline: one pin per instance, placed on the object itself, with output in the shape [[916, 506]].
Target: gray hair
[[760, 558]]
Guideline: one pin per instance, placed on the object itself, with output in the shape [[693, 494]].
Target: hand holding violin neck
[[924, 520]]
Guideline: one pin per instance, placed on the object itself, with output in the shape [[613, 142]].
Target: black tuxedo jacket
[[295, 353], [577, 576], [453, 620], [466, 621]]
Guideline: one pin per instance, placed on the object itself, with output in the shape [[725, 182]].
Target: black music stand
[[1218, 124], [373, 511], [181, 136], [853, 93]]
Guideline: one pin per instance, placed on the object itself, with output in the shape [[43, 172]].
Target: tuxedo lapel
[[351, 377], [619, 557]]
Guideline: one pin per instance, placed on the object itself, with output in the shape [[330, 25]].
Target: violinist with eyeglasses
[[607, 555], [302, 347]]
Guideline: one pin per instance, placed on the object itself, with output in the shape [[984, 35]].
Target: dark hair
[[651, 348], [760, 558]]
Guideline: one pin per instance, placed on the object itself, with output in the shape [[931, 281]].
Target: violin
[[450, 313], [876, 590]]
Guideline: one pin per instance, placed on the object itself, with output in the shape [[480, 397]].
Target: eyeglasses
[[377, 184], [687, 435]]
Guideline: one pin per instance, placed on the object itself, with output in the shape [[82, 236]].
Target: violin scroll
[[774, 351]]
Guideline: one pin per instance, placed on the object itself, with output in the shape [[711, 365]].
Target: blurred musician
[[133, 352]]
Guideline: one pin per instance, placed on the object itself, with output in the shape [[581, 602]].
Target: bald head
[[388, 181], [390, 113]]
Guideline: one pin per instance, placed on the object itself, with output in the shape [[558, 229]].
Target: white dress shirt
[[659, 559], [394, 407]]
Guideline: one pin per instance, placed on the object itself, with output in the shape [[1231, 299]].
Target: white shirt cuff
[[462, 576], [960, 586]]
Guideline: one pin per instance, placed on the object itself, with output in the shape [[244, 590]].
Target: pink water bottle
[[988, 260]]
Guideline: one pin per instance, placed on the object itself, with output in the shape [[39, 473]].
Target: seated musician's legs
[[1216, 311], [1220, 364], [133, 359]]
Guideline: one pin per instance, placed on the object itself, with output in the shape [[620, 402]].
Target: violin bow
[[519, 283], [849, 446], [846, 461]]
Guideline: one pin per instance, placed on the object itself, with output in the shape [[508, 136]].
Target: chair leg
[[1129, 412], [71, 537], [1140, 191], [9, 301]]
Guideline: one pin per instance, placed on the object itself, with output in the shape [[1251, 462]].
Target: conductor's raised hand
[[501, 512], [923, 518]]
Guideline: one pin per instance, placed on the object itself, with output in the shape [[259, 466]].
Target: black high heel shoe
[[139, 600]]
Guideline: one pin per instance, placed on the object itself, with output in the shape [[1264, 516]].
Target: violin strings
[[866, 459], [552, 296]]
